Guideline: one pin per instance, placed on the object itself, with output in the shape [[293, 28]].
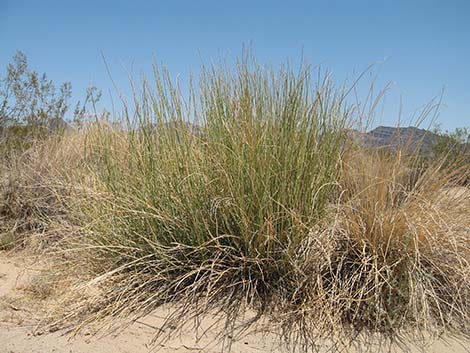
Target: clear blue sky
[[425, 44]]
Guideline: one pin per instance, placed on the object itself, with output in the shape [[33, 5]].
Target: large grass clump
[[245, 199], [209, 202]]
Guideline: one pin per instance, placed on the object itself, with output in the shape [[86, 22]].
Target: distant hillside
[[411, 138]]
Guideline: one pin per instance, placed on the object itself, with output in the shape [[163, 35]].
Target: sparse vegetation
[[248, 195], [32, 108], [453, 147]]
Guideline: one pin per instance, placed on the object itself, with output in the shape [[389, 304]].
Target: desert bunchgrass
[[208, 202], [34, 183], [247, 196], [405, 230]]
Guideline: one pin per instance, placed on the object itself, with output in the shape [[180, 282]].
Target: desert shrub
[[451, 142], [29, 98], [32, 107], [453, 147]]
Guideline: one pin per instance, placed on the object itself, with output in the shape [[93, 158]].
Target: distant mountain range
[[410, 138]]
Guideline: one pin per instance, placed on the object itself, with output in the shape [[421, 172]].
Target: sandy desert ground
[[19, 317]]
